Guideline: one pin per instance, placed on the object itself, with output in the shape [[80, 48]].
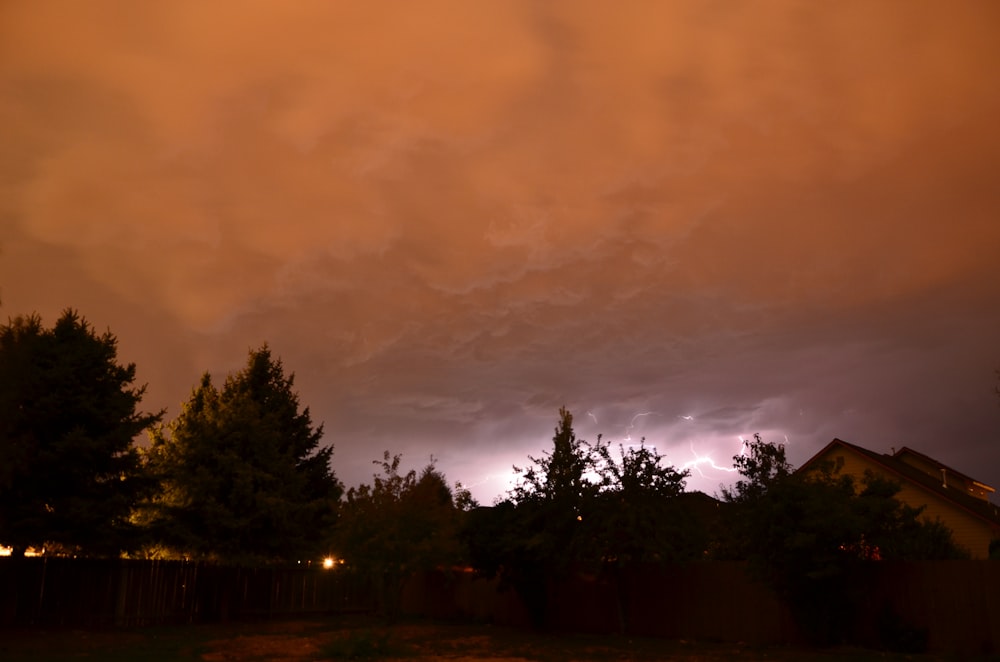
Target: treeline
[[241, 476], [585, 508]]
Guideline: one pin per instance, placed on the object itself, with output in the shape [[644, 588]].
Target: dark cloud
[[687, 221]]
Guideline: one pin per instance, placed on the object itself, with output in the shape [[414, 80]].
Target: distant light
[[328, 562], [6, 551]]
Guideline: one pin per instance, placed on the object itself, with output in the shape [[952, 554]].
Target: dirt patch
[[366, 638], [372, 640], [261, 647]]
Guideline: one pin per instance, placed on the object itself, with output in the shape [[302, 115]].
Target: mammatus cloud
[[451, 219]]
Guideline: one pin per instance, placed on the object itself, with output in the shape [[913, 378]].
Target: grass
[[364, 638], [148, 644]]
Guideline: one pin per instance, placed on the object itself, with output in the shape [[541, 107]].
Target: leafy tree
[[242, 475], [762, 465], [805, 533], [895, 531], [539, 531], [400, 524], [638, 518], [555, 494], [581, 506], [796, 533], [70, 475]]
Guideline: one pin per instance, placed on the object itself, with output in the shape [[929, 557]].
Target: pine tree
[[70, 475], [243, 476]]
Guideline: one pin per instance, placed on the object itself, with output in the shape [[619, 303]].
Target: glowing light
[[328, 562], [631, 424], [506, 477], [702, 460]]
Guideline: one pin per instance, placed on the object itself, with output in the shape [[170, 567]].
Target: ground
[[366, 638]]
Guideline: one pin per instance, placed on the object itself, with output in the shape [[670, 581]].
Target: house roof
[[906, 450], [906, 472]]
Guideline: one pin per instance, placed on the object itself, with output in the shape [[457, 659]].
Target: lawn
[[364, 638]]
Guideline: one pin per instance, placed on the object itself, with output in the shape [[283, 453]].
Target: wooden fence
[[957, 603], [954, 604], [96, 593]]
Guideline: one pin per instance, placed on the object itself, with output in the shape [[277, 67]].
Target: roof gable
[[947, 474], [904, 472]]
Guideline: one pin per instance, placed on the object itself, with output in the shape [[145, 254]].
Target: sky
[[687, 222]]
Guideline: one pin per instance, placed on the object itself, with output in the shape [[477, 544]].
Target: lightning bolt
[[701, 460], [593, 417], [631, 424], [505, 476]]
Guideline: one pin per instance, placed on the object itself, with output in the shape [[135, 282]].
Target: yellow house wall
[[968, 530], [954, 481]]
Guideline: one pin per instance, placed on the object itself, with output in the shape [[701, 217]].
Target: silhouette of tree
[[638, 519], [805, 533], [895, 531], [400, 524], [763, 465], [555, 495], [69, 472], [242, 475], [539, 531], [581, 507]]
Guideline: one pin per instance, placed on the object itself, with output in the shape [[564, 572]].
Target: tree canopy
[[638, 516], [70, 474], [820, 519], [401, 523], [583, 506], [554, 496], [242, 474], [804, 533], [584, 503]]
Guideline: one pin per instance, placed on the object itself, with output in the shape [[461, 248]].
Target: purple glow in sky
[[451, 218]]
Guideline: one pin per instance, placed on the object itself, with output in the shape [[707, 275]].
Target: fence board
[[957, 603], [98, 593]]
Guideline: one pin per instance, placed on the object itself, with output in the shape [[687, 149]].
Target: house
[[960, 502]]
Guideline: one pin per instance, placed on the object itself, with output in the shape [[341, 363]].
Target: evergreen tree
[[70, 474], [242, 475]]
